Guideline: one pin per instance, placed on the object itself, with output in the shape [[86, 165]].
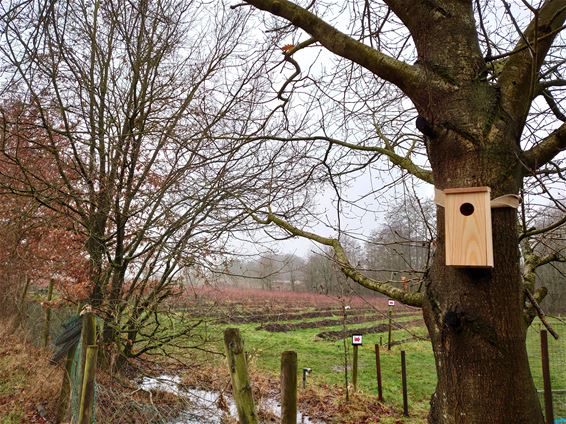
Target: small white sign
[[391, 302], [357, 339]]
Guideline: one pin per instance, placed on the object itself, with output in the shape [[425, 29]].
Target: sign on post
[[356, 340], [391, 302]]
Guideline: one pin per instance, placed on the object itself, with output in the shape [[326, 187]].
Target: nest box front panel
[[468, 227]]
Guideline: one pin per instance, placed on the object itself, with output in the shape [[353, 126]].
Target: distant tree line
[[399, 251]]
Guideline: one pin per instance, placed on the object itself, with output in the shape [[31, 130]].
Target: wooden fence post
[[64, 394], [46, 329], [88, 338], [389, 332], [87, 392], [21, 305], [289, 387], [548, 409], [241, 387], [378, 370], [404, 382], [355, 368]]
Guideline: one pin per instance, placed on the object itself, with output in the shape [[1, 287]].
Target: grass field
[[326, 358], [314, 327], [557, 359]]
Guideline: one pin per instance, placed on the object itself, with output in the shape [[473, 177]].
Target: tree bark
[[475, 315], [47, 325]]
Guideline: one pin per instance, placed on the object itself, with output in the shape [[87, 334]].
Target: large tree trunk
[[475, 320], [475, 315]]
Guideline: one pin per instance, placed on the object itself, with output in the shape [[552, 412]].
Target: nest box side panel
[[468, 229]]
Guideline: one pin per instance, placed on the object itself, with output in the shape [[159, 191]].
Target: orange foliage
[[287, 47], [36, 241]]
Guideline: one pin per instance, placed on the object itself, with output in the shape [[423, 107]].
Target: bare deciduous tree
[[128, 105]]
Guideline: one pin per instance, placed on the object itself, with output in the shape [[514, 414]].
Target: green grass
[[326, 359], [557, 354], [557, 360], [16, 380]]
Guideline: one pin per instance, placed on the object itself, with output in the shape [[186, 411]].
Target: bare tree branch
[[413, 299], [545, 151], [518, 77], [541, 314], [553, 105], [407, 77]]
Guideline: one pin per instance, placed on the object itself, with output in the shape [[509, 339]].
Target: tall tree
[[127, 104], [322, 274], [484, 81], [37, 244]]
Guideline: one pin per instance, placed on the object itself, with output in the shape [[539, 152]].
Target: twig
[[235, 6]]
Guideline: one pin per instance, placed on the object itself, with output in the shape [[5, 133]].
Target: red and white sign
[[391, 302], [357, 339]]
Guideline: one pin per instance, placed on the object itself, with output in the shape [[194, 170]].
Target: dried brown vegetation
[[29, 383]]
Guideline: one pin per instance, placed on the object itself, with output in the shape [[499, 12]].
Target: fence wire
[[557, 362], [34, 322]]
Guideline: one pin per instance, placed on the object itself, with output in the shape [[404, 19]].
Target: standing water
[[203, 405]]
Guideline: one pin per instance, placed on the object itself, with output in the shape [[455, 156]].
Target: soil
[[275, 327], [286, 316], [337, 335]]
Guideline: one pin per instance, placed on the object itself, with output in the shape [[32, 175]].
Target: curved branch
[[407, 77], [402, 162], [297, 72], [535, 231], [545, 151], [553, 105], [552, 83], [412, 299], [517, 79]]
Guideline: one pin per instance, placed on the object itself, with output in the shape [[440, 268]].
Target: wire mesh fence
[[128, 405], [37, 327], [557, 363]]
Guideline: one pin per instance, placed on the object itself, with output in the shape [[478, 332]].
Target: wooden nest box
[[468, 227]]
